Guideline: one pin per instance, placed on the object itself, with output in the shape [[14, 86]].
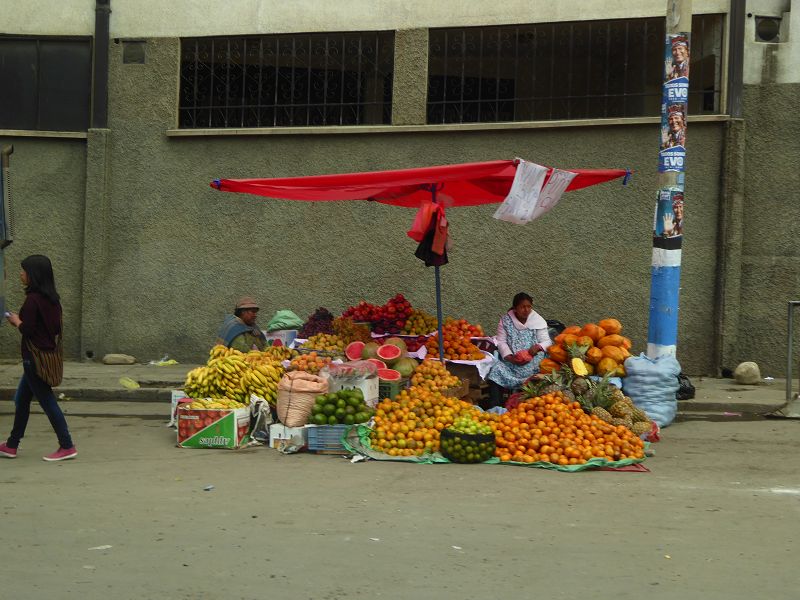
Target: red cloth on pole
[[467, 184]]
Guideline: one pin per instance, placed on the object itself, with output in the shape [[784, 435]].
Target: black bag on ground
[[686, 390], [554, 327]]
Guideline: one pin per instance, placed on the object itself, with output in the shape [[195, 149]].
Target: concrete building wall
[[155, 18], [183, 252], [149, 258], [48, 181]]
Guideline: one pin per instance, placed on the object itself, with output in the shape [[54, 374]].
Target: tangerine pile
[[433, 375], [550, 428], [311, 362], [457, 341], [410, 425]]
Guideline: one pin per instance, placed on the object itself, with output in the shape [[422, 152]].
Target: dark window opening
[[45, 83], [559, 71], [287, 80]]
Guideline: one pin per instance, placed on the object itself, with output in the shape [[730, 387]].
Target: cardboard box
[[212, 427], [284, 336], [369, 387], [281, 436]]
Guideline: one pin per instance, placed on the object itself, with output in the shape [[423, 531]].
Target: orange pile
[[410, 425], [552, 429], [433, 375], [310, 362], [457, 342]]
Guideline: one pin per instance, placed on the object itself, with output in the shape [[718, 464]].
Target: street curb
[[746, 408], [105, 394]]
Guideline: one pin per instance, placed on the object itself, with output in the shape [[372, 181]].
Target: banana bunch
[[233, 375], [209, 403], [280, 353], [262, 380]]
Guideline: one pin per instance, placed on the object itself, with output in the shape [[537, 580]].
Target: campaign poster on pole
[[674, 105]]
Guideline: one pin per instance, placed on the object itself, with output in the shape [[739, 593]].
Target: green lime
[[319, 419], [349, 420], [340, 414], [332, 420], [361, 417], [329, 409]]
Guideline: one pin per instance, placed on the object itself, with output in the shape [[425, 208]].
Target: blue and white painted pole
[[662, 338]]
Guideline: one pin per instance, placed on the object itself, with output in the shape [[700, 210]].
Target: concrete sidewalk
[[95, 382]]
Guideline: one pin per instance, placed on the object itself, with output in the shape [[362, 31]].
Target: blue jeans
[[29, 386]]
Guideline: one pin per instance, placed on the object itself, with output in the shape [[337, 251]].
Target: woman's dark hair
[[40, 277], [519, 299]]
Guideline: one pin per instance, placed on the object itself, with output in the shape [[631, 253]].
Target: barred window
[[287, 80], [574, 70], [46, 83]]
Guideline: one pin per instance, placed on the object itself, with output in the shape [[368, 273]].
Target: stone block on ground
[[747, 373], [119, 359]]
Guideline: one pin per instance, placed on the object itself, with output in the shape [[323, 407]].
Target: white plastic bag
[[523, 197]]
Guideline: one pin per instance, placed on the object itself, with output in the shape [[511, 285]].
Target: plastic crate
[[390, 389], [326, 438]]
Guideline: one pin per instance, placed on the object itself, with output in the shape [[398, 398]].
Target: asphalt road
[[718, 517]]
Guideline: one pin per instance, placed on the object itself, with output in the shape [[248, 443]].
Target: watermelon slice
[[378, 363], [354, 350], [389, 354], [389, 375]]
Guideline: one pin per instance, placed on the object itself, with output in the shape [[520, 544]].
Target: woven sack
[[297, 391]]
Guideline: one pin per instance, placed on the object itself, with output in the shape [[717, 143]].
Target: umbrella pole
[[439, 311], [439, 319]]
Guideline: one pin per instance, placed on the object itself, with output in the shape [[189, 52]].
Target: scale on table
[[6, 222]]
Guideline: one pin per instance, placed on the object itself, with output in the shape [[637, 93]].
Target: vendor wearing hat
[[239, 330]]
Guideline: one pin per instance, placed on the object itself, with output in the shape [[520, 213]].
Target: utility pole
[[662, 337]]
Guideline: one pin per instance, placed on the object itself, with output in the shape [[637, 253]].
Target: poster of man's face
[[680, 57]]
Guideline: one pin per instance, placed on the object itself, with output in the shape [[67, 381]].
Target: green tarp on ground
[[356, 440]]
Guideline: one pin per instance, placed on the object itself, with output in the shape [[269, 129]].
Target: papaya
[[594, 356], [614, 353], [585, 340], [626, 343], [558, 353], [621, 372], [610, 340], [611, 326], [591, 330], [572, 329], [607, 365], [559, 339], [548, 365], [569, 338]]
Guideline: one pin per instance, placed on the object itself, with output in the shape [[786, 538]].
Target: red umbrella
[[466, 184]]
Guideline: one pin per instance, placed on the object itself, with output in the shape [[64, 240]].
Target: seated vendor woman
[[522, 338], [240, 331]]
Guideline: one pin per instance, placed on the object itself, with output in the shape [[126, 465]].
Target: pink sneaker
[[61, 454], [8, 452]]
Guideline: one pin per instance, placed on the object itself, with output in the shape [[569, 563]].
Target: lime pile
[[345, 407], [467, 441]]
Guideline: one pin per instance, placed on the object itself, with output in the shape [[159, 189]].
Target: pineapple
[[622, 421], [602, 414], [617, 394], [577, 355], [638, 415], [641, 427], [620, 410], [579, 386]]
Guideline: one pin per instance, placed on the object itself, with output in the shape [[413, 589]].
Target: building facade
[[117, 136]]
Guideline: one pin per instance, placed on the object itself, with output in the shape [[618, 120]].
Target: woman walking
[[40, 322]]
